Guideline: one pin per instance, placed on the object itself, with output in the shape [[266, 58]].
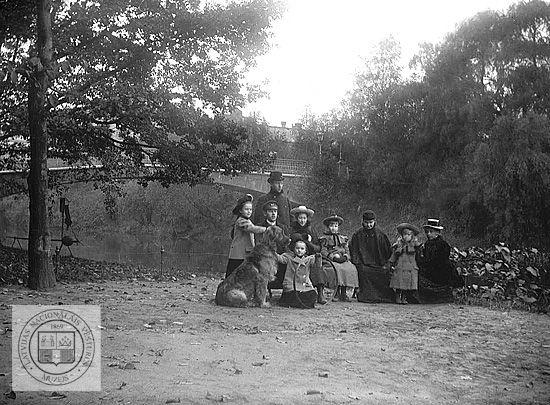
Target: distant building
[[284, 133], [281, 133]]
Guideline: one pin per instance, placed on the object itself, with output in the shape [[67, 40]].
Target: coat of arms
[[56, 347]]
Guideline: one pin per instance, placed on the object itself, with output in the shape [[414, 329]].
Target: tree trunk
[[41, 275]]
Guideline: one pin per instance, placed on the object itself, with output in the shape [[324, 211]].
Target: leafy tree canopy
[[464, 138], [135, 81]]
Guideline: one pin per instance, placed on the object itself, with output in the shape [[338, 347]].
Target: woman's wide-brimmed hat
[[406, 225], [240, 202], [275, 176], [333, 218], [433, 224], [302, 209]]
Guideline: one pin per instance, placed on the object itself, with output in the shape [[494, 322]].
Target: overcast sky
[[318, 44]]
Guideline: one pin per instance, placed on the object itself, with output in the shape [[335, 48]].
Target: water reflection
[[173, 256]]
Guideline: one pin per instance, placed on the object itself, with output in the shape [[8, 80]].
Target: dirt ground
[[185, 348]]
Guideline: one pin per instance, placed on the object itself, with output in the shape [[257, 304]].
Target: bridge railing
[[291, 166]]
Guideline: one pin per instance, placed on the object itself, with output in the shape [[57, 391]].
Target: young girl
[[335, 252], [242, 234], [302, 225], [298, 290], [405, 273]]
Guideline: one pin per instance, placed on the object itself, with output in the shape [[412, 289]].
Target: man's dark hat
[[240, 202], [270, 205], [433, 223], [406, 225], [368, 215], [275, 176], [333, 218]]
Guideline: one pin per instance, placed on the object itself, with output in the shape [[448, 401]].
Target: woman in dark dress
[[436, 272]]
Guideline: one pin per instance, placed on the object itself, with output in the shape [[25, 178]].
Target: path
[[439, 354]]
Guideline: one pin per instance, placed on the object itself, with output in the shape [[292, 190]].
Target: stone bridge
[[294, 171]]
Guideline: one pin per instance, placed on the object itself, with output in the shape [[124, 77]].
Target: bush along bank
[[504, 278]]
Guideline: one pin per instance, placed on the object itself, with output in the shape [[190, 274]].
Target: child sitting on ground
[[405, 270], [335, 252], [298, 290], [242, 234]]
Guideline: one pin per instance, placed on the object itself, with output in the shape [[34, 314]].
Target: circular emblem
[[56, 347]]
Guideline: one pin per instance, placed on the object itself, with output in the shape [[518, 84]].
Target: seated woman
[[335, 253], [302, 226], [298, 291], [436, 274]]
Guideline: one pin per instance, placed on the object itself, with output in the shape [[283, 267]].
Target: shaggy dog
[[247, 285]]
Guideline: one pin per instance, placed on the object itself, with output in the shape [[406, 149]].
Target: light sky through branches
[[319, 44]]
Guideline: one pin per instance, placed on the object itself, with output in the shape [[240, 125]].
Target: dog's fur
[[247, 285]]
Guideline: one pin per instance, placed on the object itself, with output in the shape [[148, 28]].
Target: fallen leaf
[[57, 395], [10, 395], [323, 374]]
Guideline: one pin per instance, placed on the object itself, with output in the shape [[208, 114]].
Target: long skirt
[[404, 279], [323, 275], [298, 299], [232, 265], [374, 284], [433, 293], [346, 273]]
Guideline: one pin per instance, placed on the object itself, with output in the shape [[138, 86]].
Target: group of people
[[367, 266]]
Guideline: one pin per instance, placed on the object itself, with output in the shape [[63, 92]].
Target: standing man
[[370, 250], [276, 194]]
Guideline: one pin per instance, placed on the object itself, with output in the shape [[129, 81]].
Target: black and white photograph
[[274, 202]]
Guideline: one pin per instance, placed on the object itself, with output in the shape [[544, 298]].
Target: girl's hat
[[406, 225], [240, 202], [333, 218], [302, 209], [433, 224]]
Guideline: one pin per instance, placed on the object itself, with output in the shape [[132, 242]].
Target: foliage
[[134, 82], [499, 275], [465, 137]]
